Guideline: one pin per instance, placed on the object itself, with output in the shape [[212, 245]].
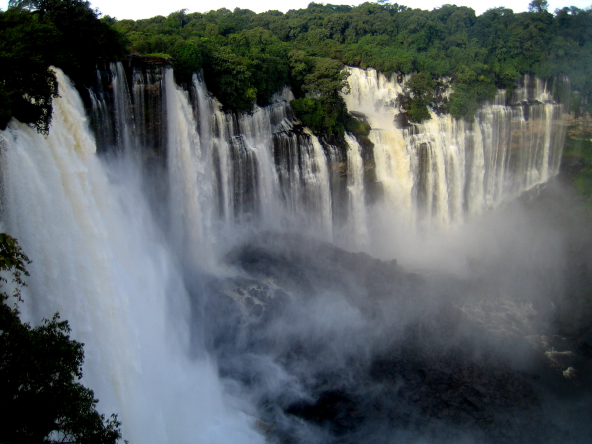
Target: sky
[[140, 9]]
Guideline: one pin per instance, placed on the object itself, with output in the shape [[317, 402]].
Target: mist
[[462, 341]]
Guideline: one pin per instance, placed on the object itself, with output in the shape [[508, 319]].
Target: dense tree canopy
[[36, 34], [27, 86], [239, 50], [322, 79], [42, 400]]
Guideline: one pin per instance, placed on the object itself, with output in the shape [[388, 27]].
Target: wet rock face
[[334, 346]]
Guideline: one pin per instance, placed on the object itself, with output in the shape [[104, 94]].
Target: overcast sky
[[139, 9]]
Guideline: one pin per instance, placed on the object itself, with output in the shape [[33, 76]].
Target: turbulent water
[[162, 250]]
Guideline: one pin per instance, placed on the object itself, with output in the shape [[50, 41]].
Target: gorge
[[236, 279]]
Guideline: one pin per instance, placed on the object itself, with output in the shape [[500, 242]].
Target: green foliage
[[247, 57], [322, 117], [578, 152], [36, 34], [421, 86], [300, 65], [39, 370], [470, 88], [538, 6], [360, 130], [227, 76], [326, 79], [583, 182], [27, 85], [245, 68], [357, 127], [311, 113], [13, 260], [323, 110], [479, 53], [160, 55], [267, 60], [187, 60], [83, 39], [462, 102]]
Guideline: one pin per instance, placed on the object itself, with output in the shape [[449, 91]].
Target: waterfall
[[229, 172], [121, 239], [100, 261], [355, 187], [265, 172], [190, 178], [125, 127], [436, 173]]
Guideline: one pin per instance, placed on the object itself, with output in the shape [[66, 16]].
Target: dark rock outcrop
[[337, 346]]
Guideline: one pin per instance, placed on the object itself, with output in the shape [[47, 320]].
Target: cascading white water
[[149, 101], [355, 186], [315, 176], [375, 96], [229, 172], [212, 124], [435, 173], [100, 113], [99, 260], [264, 172], [125, 127], [190, 178]]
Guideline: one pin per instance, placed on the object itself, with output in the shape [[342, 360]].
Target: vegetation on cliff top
[[577, 158], [247, 57], [37, 34], [480, 53]]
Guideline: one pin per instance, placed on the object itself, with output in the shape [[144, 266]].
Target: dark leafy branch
[[39, 372], [37, 34]]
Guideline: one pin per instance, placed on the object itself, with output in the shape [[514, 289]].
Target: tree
[[421, 86], [84, 39], [495, 48], [324, 110], [42, 400], [35, 34], [266, 59], [27, 85], [227, 76], [187, 60], [538, 6], [24, 4]]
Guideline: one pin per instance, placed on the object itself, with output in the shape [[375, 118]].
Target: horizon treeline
[[246, 57]]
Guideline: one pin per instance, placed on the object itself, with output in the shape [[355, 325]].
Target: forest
[[247, 57], [243, 54]]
